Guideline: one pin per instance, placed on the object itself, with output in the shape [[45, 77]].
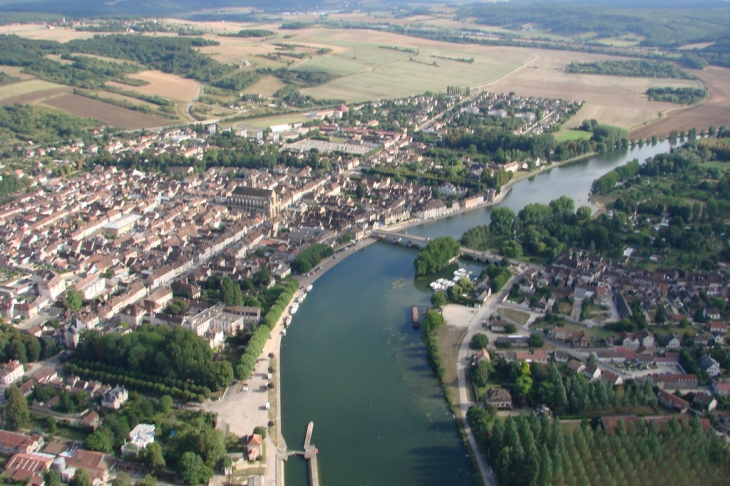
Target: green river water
[[352, 363]]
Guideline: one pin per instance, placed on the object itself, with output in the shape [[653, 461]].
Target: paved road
[[489, 307]]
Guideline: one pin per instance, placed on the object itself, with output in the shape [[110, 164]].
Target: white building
[[139, 438], [11, 372], [115, 398]]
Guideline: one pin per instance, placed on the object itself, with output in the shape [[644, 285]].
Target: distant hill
[[137, 8]]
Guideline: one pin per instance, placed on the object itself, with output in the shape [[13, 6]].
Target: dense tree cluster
[[476, 238], [162, 352], [436, 255], [528, 451], [633, 67], [682, 96], [311, 257], [40, 125], [22, 346], [261, 335], [252, 33]]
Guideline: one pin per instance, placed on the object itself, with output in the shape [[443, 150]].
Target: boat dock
[[310, 454]]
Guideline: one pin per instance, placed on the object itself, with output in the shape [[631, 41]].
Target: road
[[489, 307]]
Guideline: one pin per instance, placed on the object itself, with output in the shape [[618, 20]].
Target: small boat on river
[[415, 317]]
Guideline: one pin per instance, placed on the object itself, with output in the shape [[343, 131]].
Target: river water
[[352, 363]]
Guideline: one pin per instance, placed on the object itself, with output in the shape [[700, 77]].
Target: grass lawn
[[514, 315], [564, 135], [448, 339]]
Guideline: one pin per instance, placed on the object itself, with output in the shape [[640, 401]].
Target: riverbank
[[505, 190]]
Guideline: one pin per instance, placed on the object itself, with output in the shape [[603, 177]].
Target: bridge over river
[[404, 239]]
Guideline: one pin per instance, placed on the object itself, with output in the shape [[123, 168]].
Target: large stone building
[[251, 199]]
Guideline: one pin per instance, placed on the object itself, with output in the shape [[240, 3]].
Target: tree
[[16, 409], [222, 374], [81, 478], [260, 431], [122, 479], [438, 299], [153, 456], [192, 469], [479, 341], [535, 341], [100, 440], [436, 255], [661, 316], [147, 481], [524, 385], [166, 403], [74, 300], [16, 350], [583, 213], [510, 328], [501, 221], [432, 321], [481, 373], [51, 424], [211, 446], [53, 478]]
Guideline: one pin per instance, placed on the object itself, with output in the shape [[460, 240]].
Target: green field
[[368, 72], [565, 135]]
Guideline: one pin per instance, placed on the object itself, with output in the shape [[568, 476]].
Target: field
[[165, 85], [26, 87], [104, 112], [41, 32], [267, 86], [565, 135], [714, 111], [613, 100], [266, 122]]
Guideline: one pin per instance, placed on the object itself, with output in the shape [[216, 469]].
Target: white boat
[[287, 321], [294, 309], [301, 298], [283, 332], [309, 288]]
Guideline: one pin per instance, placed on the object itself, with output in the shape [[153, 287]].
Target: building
[[13, 443], [115, 398], [705, 401], [96, 463], [708, 364], [592, 372], [254, 448], [11, 372], [671, 401], [253, 200], [721, 388], [121, 226], [24, 466], [499, 397], [139, 438], [674, 381], [158, 299]]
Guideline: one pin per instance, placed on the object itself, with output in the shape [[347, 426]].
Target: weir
[[309, 453]]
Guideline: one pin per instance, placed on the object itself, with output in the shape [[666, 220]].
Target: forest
[[632, 67], [167, 355], [659, 25], [682, 96], [526, 450]]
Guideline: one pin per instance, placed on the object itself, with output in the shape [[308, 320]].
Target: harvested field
[[28, 88], [15, 71], [109, 114], [267, 86], [614, 100], [714, 111], [41, 32], [162, 84]]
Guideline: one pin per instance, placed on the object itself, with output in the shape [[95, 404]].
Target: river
[[352, 363]]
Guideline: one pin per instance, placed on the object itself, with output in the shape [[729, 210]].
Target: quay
[[310, 454]]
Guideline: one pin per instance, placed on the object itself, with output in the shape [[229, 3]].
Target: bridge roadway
[[405, 239]]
